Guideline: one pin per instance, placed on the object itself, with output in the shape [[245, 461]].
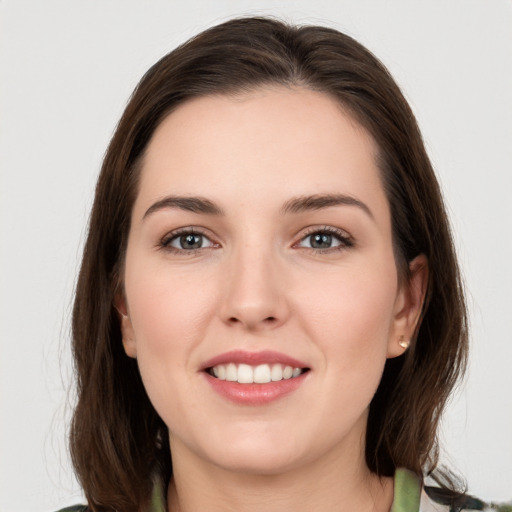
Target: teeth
[[277, 372], [221, 372], [245, 374], [231, 372], [261, 374]]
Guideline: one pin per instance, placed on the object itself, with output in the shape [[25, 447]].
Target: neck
[[327, 484]]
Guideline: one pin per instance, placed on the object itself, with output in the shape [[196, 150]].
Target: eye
[[325, 239], [186, 241]]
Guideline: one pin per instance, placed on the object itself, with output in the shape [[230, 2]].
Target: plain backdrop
[[66, 71]]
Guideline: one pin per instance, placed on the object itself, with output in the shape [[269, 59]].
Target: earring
[[403, 342]]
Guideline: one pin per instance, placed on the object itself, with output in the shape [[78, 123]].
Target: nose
[[254, 295]]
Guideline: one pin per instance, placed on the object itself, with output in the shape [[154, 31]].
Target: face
[[261, 296]]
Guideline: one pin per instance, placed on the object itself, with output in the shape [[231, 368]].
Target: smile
[[255, 378], [260, 374]]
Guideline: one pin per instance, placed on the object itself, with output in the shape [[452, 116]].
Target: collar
[[407, 486], [158, 497]]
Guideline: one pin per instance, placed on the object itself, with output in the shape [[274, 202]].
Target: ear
[[408, 307], [130, 347]]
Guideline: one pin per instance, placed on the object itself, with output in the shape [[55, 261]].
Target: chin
[[256, 455], [262, 464]]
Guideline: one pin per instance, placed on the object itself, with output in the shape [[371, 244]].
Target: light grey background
[[66, 71]]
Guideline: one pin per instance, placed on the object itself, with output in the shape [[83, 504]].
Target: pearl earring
[[403, 342]]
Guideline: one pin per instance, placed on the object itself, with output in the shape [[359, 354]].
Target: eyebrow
[[189, 204], [320, 201], [299, 204]]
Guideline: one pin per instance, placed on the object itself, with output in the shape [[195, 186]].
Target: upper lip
[[253, 359]]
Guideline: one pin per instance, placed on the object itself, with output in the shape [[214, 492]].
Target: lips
[[254, 378]]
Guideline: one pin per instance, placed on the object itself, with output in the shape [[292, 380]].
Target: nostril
[[252, 320], [269, 319]]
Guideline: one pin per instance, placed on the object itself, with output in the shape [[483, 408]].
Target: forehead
[[296, 141]]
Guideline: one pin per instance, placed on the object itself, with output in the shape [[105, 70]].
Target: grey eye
[[321, 240], [190, 241]]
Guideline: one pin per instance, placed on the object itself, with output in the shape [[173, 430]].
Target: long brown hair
[[118, 441]]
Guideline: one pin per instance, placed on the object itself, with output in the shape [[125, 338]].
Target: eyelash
[[165, 242], [345, 240]]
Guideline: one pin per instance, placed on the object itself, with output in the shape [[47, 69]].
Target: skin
[[257, 284]]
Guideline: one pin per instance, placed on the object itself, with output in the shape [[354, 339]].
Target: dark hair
[[118, 441]]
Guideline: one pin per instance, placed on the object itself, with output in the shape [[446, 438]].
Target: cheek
[[350, 315], [170, 312], [167, 308], [356, 306]]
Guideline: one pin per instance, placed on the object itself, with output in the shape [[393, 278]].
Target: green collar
[[158, 498], [407, 493]]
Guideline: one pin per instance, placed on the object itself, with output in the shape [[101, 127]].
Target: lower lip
[[255, 394]]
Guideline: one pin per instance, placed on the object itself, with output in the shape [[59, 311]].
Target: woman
[[269, 313]]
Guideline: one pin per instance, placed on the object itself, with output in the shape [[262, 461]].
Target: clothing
[[409, 496]]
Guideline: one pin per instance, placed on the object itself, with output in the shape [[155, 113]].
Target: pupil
[[191, 241], [321, 241]]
